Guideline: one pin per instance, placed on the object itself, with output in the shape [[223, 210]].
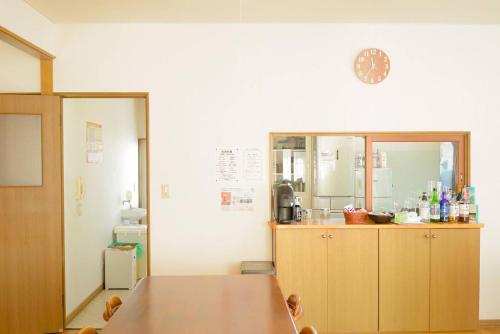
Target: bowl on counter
[[381, 217], [356, 217]]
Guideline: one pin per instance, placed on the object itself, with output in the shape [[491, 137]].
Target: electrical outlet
[[165, 191]]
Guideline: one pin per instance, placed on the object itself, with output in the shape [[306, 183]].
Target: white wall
[[88, 234], [20, 71], [24, 21], [229, 85]]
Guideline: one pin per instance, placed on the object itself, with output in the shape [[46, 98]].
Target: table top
[[333, 223], [241, 304]]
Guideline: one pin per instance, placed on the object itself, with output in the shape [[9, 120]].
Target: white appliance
[[135, 233], [120, 268], [382, 188], [333, 172]]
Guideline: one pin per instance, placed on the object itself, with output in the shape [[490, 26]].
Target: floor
[[92, 314]]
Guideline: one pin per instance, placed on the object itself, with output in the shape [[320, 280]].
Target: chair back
[[308, 330], [87, 330], [112, 305], [295, 305]]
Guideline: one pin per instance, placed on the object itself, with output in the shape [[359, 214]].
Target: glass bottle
[[444, 208], [435, 214], [463, 215], [454, 208], [423, 208]]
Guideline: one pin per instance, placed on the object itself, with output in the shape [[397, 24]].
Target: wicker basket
[[357, 217]]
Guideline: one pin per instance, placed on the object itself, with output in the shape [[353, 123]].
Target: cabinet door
[[454, 280], [301, 268], [404, 280], [353, 280]]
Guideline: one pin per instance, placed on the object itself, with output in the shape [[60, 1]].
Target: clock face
[[372, 66]]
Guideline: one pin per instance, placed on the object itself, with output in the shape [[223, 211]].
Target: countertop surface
[[340, 223]]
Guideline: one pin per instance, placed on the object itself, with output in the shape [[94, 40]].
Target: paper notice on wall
[[228, 165], [252, 164], [237, 199], [94, 143]]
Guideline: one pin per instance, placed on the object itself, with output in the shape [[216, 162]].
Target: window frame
[[461, 138]]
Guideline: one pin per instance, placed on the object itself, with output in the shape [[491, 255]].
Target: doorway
[[106, 187]]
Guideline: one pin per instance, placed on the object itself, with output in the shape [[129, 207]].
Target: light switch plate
[[165, 191]]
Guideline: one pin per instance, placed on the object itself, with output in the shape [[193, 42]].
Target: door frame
[[107, 95]]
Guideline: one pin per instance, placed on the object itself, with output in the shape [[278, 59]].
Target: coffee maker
[[284, 203]]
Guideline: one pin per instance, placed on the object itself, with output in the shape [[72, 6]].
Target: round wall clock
[[372, 66]]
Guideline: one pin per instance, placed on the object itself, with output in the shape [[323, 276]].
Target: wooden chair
[[295, 305], [112, 305], [308, 330], [87, 330]]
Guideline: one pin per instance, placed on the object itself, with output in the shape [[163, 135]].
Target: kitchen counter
[[334, 223], [381, 278]]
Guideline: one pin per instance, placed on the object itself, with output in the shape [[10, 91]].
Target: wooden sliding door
[[31, 256]]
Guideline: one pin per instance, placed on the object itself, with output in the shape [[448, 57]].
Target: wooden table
[[235, 304]]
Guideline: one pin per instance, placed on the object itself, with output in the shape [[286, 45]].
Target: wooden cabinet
[[352, 280], [454, 280], [335, 272], [382, 278], [429, 279], [404, 280], [301, 263]]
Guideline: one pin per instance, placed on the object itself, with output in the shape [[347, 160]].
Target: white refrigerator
[[382, 189], [333, 172]]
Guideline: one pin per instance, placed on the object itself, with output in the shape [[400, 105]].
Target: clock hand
[[373, 63]]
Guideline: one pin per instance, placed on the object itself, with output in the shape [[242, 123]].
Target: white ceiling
[[270, 11]]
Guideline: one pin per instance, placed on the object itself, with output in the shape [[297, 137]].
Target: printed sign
[[252, 164], [94, 143], [227, 165], [237, 199]]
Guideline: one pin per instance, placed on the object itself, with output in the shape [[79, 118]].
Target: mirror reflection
[[403, 171]]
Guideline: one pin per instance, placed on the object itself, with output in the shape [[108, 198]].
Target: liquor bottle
[[459, 193], [423, 208], [454, 209], [444, 208], [463, 215], [435, 214]]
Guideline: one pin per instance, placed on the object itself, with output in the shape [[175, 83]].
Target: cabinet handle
[[330, 236], [427, 236], [434, 236], [323, 236]]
